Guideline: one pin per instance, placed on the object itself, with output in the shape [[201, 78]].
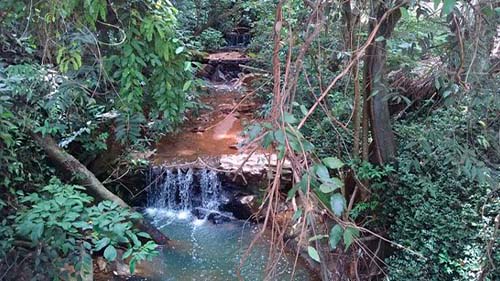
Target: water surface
[[203, 251]]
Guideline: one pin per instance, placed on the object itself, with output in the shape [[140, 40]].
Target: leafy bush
[[64, 228], [153, 70], [441, 203], [212, 39]]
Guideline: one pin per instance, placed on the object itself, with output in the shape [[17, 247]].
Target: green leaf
[[448, 6], [335, 236], [297, 215], [279, 136], [331, 186], [132, 264], [303, 109], [268, 140], [317, 237], [36, 232], [144, 235], [87, 245], [187, 85], [404, 12], [289, 118], [102, 243], [313, 253], [350, 234], [337, 203], [333, 162], [127, 253], [179, 50], [379, 39], [322, 173], [292, 191], [110, 253], [120, 228]]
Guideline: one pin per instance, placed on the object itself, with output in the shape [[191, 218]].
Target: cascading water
[[201, 249], [184, 183], [210, 189], [183, 190]]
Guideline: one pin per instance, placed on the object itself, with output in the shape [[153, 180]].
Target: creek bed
[[203, 251]]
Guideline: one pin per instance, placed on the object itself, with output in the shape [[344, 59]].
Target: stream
[[203, 216], [207, 243]]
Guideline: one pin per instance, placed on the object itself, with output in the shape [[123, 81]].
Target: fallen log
[[88, 180]]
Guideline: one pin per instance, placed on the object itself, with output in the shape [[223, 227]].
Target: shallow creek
[[207, 243], [190, 205]]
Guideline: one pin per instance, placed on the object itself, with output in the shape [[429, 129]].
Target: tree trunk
[[376, 90], [90, 182]]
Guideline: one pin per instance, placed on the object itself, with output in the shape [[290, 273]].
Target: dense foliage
[[444, 201], [88, 74], [63, 226], [355, 80], [438, 199]]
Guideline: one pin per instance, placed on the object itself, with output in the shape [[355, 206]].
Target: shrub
[[440, 204], [63, 227], [212, 39]]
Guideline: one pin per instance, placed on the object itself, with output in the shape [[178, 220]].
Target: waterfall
[[210, 189], [184, 184], [183, 190]]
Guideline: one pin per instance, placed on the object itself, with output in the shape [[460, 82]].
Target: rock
[[101, 264], [257, 164], [217, 218], [121, 269], [242, 206]]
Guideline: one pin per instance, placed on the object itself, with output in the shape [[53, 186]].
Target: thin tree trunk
[[376, 91], [90, 182], [278, 23], [351, 20]]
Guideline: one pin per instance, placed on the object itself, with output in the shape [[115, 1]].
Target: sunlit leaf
[[313, 253], [448, 6], [333, 162], [110, 253], [322, 172], [317, 237], [331, 186], [337, 203]]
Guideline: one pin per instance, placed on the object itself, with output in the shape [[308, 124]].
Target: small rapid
[[180, 192], [207, 244]]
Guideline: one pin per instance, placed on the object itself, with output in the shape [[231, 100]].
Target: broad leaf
[[101, 243], [313, 253], [337, 203], [404, 13], [335, 236], [322, 173], [333, 163], [448, 6], [350, 234], [37, 232], [179, 50], [331, 186], [110, 253], [289, 118]]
